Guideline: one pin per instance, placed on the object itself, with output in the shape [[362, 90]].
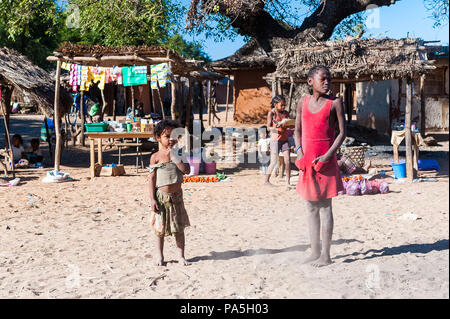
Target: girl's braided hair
[[277, 99], [316, 68]]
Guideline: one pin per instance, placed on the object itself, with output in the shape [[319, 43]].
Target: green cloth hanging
[[134, 75]]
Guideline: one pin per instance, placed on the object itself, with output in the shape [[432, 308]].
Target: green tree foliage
[[125, 22], [31, 27], [129, 22]]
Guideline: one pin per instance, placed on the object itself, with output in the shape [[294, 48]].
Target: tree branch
[[323, 20]]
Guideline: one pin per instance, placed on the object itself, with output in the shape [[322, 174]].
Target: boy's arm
[[152, 179], [181, 164], [298, 129], [339, 109]]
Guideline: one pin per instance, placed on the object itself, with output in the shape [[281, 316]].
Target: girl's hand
[[323, 158], [154, 206]]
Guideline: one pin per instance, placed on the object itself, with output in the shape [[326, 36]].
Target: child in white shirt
[[263, 149]]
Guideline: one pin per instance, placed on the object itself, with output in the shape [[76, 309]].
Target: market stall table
[[106, 135]]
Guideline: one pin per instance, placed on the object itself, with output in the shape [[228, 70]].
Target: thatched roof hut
[[18, 72], [356, 60], [123, 56]]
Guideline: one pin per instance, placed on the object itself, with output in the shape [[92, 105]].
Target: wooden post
[[291, 90], [189, 102], [83, 118], [6, 97], [422, 106], [132, 101], [349, 101], [174, 98], [274, 87], [7, 138], [158, 93], [279, 90], [188, 114], [115, 102], [57, 117], [228, 97], [104, 106], [125, 102], [92, 157], [408, 140], [208, 96]]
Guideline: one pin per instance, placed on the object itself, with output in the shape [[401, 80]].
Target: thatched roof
[[356, 59], [250, 56], [97, 55], [17, 71]]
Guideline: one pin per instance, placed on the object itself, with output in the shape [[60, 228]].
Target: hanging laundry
[[85, 78], [134, 75], [98, 76], [66, 66], [160, 74], [117, 75], [108, 75], [73, 76]]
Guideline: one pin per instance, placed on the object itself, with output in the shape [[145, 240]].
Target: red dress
[[321, 180]]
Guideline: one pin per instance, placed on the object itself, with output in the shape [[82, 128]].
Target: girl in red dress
[[316, 145]]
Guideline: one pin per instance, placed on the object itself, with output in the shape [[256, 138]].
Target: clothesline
[[82, 77]]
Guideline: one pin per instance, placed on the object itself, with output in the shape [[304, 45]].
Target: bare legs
[[287, 165], [179, 238], [160, 248], [273, 162], [320, 211]]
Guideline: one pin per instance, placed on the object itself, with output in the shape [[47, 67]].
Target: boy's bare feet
[[184, 262], [159, 262], [289, 186], [322, 261], [267, 183]]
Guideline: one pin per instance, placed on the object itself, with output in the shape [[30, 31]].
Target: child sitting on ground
[[263, 149], [168, 216], [17, 148], [33, 152]]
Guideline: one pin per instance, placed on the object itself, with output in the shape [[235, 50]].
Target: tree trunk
[[83, 119], [408, 141], [173, 88], [57, 117]]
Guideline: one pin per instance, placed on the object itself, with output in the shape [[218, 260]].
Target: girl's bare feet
[[311, 258], [322, 261]]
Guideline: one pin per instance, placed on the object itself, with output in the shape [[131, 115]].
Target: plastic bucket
[[399, 169], [194, 164], [210, 168]]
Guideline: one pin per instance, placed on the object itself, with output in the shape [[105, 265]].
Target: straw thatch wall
[[17, 71], [356, 59]]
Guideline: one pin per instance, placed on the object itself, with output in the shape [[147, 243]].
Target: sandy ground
[[92, 238]]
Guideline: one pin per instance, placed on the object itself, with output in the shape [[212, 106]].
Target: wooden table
[[105, 135]]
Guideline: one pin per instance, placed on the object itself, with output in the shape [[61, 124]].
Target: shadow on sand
[[231, 254], [392, 251]]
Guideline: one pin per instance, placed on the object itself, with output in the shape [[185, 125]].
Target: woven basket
[[355, 153]]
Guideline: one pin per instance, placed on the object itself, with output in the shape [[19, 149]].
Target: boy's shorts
[[172, 216]]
